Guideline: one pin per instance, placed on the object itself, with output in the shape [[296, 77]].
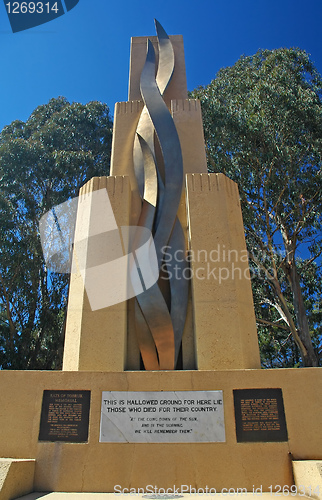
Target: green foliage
[[43, 162], [263, 129]]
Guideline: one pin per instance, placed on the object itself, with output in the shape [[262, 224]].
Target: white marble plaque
[[162, 417]]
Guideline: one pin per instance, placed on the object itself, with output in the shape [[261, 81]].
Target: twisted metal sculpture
[[160, 311]]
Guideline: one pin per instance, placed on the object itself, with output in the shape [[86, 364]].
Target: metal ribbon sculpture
[[160, 311]]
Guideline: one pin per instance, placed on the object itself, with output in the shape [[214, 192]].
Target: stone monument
[[199, 223], [161, 388]]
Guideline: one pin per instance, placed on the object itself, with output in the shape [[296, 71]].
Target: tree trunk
[[309, 357]]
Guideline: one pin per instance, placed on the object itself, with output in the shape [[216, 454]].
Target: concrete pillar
[[223, 311], [177, 88], [95, 340]]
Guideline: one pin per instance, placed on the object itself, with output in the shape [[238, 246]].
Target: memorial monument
[[159, 179], [161, 388]]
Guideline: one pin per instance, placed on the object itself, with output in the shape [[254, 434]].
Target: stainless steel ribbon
[[160, 311]]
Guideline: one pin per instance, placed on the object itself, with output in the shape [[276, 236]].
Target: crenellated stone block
[[223, 312], [96, 339]]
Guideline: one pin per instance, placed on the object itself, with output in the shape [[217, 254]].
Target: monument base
[[16, 477], [93, 466]]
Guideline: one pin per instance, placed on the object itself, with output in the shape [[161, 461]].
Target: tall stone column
[[95, 340], [223, 313]]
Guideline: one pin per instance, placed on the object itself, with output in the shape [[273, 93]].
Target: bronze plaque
[[259, 415], [65, 416]]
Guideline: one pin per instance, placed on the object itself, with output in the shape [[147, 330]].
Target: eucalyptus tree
[[263, 129], [43, 162]]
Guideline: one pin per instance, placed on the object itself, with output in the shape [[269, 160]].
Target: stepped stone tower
[[219, 323]]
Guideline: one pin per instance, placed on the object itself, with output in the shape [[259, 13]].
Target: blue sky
[[84, 55]]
